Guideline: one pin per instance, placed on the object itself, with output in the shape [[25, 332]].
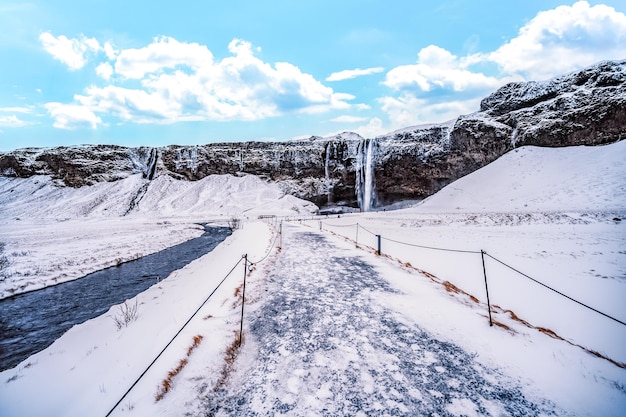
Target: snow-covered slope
[[42, 197], [578, 178]]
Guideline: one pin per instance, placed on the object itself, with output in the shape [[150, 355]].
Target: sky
[[188, 72]]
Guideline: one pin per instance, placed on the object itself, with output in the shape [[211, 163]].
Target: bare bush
[[126, 315], [234, 223]]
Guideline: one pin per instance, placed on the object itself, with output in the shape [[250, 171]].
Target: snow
[[55, 233], [554, 214], [530, 178]]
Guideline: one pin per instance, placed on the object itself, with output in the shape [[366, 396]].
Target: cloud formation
[[441, 85], [71, 52], [437, 68], [71, 116], [563, 39], [170, 81], [349, 74], [348, 119], [11, 121]]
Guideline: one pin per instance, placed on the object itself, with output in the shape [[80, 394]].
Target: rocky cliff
[[585, 107]]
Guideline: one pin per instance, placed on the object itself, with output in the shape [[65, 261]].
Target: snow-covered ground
[[54, 233], [556, 215]]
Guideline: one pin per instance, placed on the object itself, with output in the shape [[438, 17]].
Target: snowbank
[[89, 368], [577, 178]]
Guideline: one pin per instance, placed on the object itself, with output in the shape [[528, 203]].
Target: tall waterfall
[[365, 183]]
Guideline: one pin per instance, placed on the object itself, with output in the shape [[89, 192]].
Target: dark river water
[[31, 322]]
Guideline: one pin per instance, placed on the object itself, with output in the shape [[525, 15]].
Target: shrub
[[126, 315]]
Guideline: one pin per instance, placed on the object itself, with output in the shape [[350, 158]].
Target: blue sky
[[190, 72]]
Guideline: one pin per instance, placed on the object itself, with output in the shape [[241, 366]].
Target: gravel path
[[322, 345]]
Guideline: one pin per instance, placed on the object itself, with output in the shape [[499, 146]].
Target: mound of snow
[[578, 178], [219, 194], [41, 197]]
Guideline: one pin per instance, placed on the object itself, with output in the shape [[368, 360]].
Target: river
[[33, 321]]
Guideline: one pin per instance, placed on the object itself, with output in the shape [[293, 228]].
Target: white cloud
[[71, 116], [12, 121], [372, 129], [182, 81], [16, 109], [408, 110], [562, 40], [110, 51], [349, 74], [437, 68], [104, 71], [163, 53], [348, 119], [442, 86], [71, 52]]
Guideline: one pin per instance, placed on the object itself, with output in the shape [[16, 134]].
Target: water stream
[[33, 321]]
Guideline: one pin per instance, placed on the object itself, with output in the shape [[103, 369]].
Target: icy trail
[[321, 344]]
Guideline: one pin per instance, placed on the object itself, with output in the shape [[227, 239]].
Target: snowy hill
[[530, 178], [42, 197]]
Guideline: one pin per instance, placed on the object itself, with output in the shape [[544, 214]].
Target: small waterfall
[[365, 183], [329, 185], [151, 164]]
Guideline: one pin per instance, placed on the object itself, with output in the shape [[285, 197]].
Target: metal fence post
[[378, 238], [243, 297], [482, 255], [356, 240]]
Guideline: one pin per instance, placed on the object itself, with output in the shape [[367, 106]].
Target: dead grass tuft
[[501, 325], [549, 332], [450, 287], [167, 383], [229, 359]]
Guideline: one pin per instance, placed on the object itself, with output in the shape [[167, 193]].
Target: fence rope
[[340, 225], [486, 254], [430, 247], [267, 254], [556, 291], [172, 340], [368, 231]]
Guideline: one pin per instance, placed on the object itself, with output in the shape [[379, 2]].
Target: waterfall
[[365, 184], [329, 186], [151, 164]]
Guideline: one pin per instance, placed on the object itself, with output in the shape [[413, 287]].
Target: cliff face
[[587, 107]]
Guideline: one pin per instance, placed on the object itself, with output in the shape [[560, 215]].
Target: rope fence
[[173, 338], [482, 253]]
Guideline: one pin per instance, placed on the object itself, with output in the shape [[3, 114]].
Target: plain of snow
[[551, 213]]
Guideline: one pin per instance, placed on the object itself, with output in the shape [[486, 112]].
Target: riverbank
[[90, 367], [44, 252]]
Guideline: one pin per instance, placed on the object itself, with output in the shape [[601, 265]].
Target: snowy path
[[321, 344]]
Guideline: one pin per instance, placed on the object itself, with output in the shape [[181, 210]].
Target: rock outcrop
[[586, 107]]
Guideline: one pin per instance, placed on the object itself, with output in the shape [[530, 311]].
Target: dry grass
[[451, 288], [167, 383], [229, 359]]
